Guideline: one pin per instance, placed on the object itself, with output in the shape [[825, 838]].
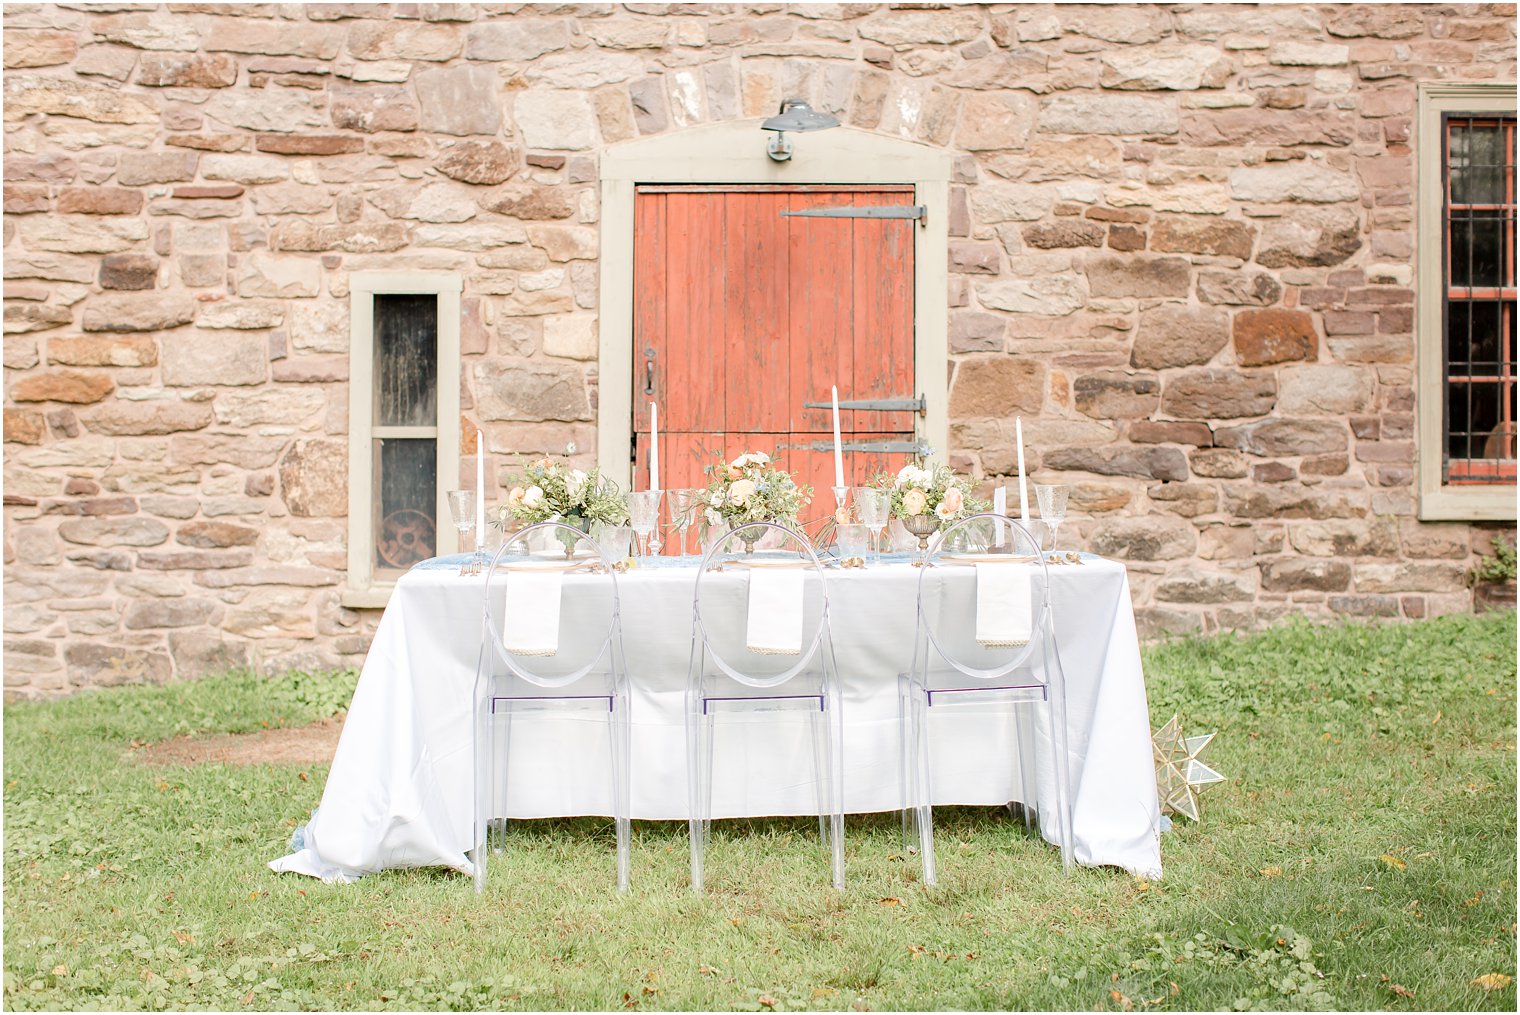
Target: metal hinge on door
[[875, 211], [917, 405], [881, 447]]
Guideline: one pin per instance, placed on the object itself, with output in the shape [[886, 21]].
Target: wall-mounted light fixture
[[796, 116]]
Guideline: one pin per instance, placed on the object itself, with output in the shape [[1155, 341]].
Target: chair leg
[[905, 781], [695, 751], [482, 816], [501, 751], [618, 731], [827, 783], [1024, 740], [834, 729], [923, 808], [821, 779]]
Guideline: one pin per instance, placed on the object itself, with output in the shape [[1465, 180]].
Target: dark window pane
[[1477, 156], [405, 526], [1477, 248], [1473, 337], [406, 360]]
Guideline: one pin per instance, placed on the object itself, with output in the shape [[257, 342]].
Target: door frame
[[734, 153]]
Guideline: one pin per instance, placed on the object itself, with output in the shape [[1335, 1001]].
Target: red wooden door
[[741, 316]]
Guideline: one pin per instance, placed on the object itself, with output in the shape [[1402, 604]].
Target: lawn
[[1361, 856]]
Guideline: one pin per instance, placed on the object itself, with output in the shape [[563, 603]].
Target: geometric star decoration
[[1179, 773]]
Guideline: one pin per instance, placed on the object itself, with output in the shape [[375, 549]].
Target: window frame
[[362, 590], [1440, 501]]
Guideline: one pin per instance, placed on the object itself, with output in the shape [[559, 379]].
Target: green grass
[[1362, 855]]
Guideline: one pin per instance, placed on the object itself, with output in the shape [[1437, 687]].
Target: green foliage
[[549, 491], [936, 490], [752, 488], [1498, 568], [1362, 856]]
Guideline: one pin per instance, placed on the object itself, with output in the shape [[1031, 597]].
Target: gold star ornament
[[1179, 773]]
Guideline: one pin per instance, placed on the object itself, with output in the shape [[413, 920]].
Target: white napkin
[[1003, 605], [775, 610], [530, 626]]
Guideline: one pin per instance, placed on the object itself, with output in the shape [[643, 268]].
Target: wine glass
[[873, 505], [462, 507], [682, 511], [852, 540], [1052, 500], [643, 517]]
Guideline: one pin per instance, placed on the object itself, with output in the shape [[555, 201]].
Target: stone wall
[[1182, 246]]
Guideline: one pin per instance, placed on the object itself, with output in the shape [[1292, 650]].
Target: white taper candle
[[1018, 437], [654, 447], [838, 450]]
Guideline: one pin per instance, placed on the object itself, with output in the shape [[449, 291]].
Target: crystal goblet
[[462, 507], [644, 517], [874, 508], [1052, 500]]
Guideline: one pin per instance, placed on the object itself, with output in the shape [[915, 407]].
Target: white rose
[[905, 475], [759, 457], [533, 497], [739, 494], [575, 482], [742, 461]]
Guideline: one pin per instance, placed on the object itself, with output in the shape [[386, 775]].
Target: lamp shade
[[796, 115]]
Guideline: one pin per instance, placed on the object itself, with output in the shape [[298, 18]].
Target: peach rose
[[740, 493], [954, 500], [734, 472], [914, 502], [514, 497]]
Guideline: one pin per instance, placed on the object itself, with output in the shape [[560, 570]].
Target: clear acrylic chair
[[953, 673], [727, 679], [585, 675]]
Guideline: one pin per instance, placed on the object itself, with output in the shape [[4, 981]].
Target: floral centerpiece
[[550, 491], [751, 488], [927, 499]]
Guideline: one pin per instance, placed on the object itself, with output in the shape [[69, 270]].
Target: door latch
[[649, 371]]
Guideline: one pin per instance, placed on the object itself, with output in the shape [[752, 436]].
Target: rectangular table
[[400, 790]]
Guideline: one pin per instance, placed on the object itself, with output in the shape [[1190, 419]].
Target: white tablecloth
[[400, 790]]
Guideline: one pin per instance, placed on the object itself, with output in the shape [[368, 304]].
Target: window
[[403, 425], [1467, 374]]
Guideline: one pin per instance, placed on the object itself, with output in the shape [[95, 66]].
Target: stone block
[[279, 38], [202, 651], [556, 121], [1188, 500], [1173, 68], [1107, 114], [1239, 288], [1364, 606], [197, 359], [314, 478], [51, 95], [1277, 437], [995, 121], [280, 277], [1295, 574], [81, 235], [1091, 497], [92, 664], [1144, 538], [1218, 394], [976, 332], [187, 70], [1412, 576], [269, 407], [1433, 539], [1064, 233], [132, 530], [99, 201], [38, 48], [24, 317], [135, 419], [1206, 587], [160, 613], [914, 28], [193, 560], [129, 272], [1302, 181], [309, 144], [1144, 277], [1157, 622], [1274, 335], [215, 535], [62, 386], [993, 202], [1190, 235], [1044, 295], [531, 392], [1146, 463], [975, 258], [1324, 390], [1292, 500], [1352, 537], [572, 336], [1175, 335], [511, 42], [148, 312], [479, 162], [1310, 237], [23, 426], [246, 169], [1169, 432], [1114, 394], [462, 100], [375, 108], [380, 40], [997, 386]]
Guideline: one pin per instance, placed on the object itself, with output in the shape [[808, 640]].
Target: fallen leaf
[[1401, 990], [1270, 872], [183, 937], [916, 949], [823, 991], [1470, 903], [60, 970], [1393, 861], [707, 970], [767, 1001], [1121, 1000], [1492, 981], [891, 900]]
